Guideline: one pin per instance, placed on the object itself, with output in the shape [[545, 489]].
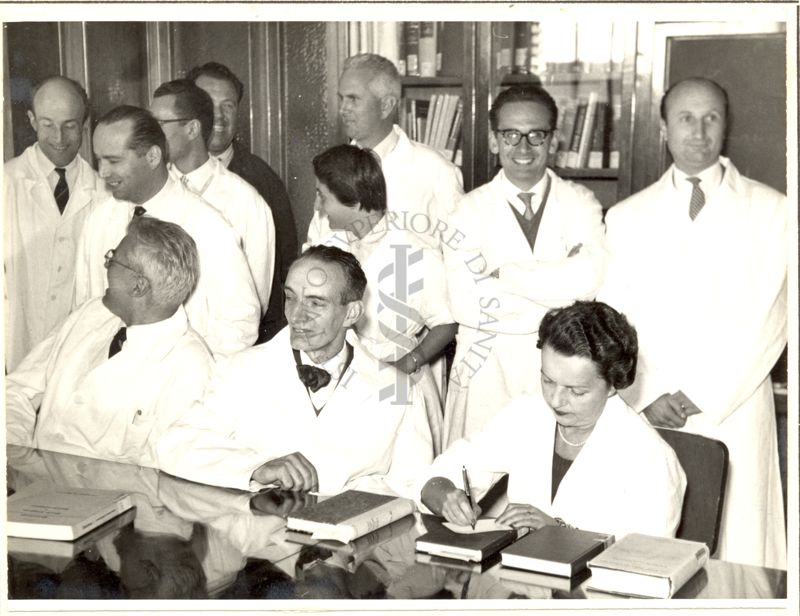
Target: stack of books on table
[[463, 543]]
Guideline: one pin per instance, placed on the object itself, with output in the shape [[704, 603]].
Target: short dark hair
[[698, 80], [598, 332], [353, 175], [523, 94], [77, 88], [190, 102], [217, 71], [354, 277], [145, 130]]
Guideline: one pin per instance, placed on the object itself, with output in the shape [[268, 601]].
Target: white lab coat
[[39, 252], [257, 410], [625, 479], [422, 188], [114, 409], [406, 292], [496, 356], [246, 212], [224, 306], [708, 299]]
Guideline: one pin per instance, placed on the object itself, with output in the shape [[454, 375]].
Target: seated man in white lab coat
[[122, 367], [305, 410]]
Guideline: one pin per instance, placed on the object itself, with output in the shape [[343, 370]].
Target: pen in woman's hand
[[468, 492]]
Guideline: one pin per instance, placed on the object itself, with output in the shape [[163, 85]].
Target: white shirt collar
[[334, 365], [153, 336], [385, 147], [511, 191], [199, 179], [47, 168], [226, 157], [710, 179]]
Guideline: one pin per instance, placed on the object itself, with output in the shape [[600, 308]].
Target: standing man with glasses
[[530, 241], [186, 115], [122, 367], [47, 194], [131, 153]]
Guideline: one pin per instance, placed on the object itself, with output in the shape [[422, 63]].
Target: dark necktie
[[117, 341], [138, 211], [698, 199], [312, 377], [526, 199], [61, 191]]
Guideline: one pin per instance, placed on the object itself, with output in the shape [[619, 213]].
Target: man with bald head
[[46, 196], [697, 262]]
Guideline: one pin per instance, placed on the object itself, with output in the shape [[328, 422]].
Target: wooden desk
[[189, 540]]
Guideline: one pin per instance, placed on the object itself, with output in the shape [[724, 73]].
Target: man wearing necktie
[[131, 152], [697, 262], [528, 241], [47, 194], [327, 420], [186, 115], [122, 367]]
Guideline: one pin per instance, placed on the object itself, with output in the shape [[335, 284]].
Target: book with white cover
[[647, 566], [44, 510]]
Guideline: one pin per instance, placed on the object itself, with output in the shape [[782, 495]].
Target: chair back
[[705, 462]]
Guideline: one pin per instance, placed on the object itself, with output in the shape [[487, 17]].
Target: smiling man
[[47, 191], [698, 262], [530, 241], [325, 424], [122, 367], [131, 152]]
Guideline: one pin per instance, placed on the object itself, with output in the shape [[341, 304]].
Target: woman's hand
[[518, 515], [444, 499]]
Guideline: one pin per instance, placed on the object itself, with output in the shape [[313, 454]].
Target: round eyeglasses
[[109, 259], [535, 137]]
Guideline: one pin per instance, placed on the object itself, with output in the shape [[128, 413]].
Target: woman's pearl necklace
[[569, 442]]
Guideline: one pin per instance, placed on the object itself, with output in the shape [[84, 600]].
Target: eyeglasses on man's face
[[109, 259], [535, 137]]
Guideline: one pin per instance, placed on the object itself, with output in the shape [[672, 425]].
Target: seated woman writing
[[576, 454], [406, 320]]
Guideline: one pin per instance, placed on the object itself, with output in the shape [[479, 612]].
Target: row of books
[[417, 48], [587, 129], [552, 47], [436, 122]]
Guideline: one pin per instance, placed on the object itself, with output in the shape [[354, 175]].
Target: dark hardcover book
[[473, 547], [411, 29], [556, 550], [427, 48], [440, 562], [577, 132], [512, 577], [599, 155], [349, 515]]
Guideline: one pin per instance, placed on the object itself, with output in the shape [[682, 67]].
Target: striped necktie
[[61, 191], [698, 199]]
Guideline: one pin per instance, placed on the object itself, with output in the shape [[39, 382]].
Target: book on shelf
[[613, 131], [401, 49], [440, 35], [647, 566], [427, 49], [454, 138], [412, 32], [522, 50], [556, 550], [568, 107], [542, 580], [587, 132], [349, 515], [446, 540], [44, 510], [503, 35], [577, 133], [69, 549], [599, 153]]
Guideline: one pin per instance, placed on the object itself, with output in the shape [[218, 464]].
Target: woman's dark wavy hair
[[353, 175], [596, 331]]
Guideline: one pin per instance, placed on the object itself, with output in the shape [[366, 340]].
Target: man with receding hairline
[[698, 262], [131, 152], [47, 192]]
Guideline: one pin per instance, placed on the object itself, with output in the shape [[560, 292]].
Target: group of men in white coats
[[525, 242]]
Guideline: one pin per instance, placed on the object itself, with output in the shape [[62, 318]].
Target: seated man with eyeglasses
[[122, 367], [529, 241]]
